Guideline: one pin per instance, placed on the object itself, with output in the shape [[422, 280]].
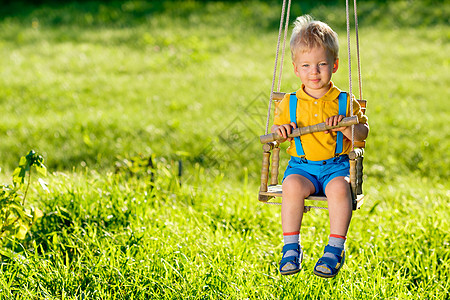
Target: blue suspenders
[[342, 111], [293, 116]]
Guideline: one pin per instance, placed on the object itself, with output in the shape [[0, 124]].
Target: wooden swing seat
[[273, 190]]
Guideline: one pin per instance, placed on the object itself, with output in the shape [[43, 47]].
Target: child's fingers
[[333, 121], [282, 131], [292, 125], [286, 129], [329, 121]]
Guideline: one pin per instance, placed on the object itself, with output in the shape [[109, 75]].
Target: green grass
[[107, 237], [90, 84]]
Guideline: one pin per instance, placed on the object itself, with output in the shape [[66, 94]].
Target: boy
[[319, 162]]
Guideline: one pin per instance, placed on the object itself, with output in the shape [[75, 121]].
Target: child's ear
[[295, 69], [335, 65]]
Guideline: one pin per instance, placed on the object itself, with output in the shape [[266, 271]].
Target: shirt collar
[[332, 94]]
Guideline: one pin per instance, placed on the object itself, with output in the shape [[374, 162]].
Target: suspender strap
[[342, 111], [293, 117]]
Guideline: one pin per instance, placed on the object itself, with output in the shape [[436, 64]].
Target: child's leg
[[340, 214], [339, 205], [295, 189]]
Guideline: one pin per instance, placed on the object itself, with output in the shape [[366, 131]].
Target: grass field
[[90, 85]]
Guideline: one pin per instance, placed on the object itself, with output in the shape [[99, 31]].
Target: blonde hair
[[308, 34]]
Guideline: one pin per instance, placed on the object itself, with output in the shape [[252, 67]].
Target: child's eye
[[305, 65], [323, 64]]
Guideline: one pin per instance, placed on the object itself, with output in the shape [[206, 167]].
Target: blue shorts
[[319, 172]]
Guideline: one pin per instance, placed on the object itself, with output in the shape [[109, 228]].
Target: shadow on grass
[[134, 10], [263, 15]]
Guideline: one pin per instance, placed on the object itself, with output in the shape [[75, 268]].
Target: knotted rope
[[350, 61], [349, 69], [357, 51], [283, 9]]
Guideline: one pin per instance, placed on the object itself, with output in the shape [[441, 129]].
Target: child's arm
[[284, 130], [361, 130]]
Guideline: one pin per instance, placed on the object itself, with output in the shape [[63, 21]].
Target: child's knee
[[298, 185], [339, 186]]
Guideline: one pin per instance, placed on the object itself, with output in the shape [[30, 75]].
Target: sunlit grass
[[191, 86], [106, 236]]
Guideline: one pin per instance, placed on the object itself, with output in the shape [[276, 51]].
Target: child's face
[[315, 68]]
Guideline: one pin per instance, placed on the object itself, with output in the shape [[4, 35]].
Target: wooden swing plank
[[274, 191], [299, 131]]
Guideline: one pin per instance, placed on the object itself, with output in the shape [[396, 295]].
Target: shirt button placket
[[320, 109]]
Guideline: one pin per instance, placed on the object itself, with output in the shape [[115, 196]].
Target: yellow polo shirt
[[310, 111]]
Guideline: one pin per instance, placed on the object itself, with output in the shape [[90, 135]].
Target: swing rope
[[286, 27], [283, 9], [357, 50], [349, 69], [350, 59]]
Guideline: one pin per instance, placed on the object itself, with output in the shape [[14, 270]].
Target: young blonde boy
[[319, 162]]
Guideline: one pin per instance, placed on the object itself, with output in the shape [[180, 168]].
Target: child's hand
[[284, 130], [333, 121]]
